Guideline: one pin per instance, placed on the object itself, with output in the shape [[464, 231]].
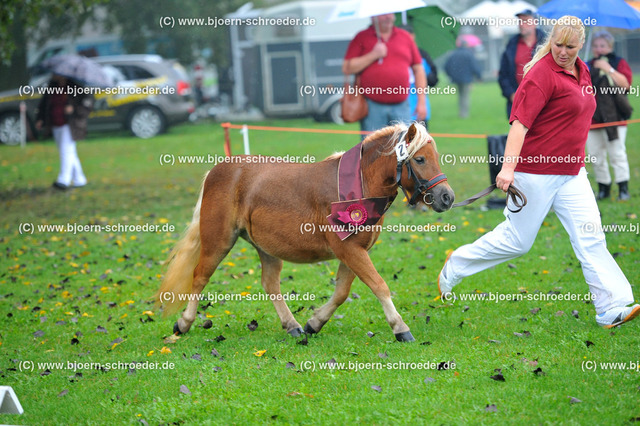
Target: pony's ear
[[411, 133]]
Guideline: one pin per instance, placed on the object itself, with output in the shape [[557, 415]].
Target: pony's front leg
[[271, 267], [357, 259], [344, 278]]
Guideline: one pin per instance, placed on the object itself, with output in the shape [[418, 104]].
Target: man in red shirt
[[382, 57], [544, 156]]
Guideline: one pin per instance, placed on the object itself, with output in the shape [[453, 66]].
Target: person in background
[[67, 116], [550, 119], [609, 70], [519, 51], [431, 70], [462, 67], [382, 58]]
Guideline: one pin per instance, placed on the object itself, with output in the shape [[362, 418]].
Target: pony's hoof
[[309, 330], [405, 337], [176, 329], [296, 332]]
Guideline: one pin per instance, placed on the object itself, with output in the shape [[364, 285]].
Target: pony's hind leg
[[271, 267], [209, 261], [344, 278]]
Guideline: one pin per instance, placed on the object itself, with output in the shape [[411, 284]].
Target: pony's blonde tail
[[182, 262]]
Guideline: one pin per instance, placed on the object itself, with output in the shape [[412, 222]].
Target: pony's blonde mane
[[399, 132], [394, 134]]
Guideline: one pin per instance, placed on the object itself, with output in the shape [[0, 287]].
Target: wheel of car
[[146, 122], [10, 128], [335, 113]]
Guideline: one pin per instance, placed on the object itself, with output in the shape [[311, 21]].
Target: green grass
[[96, 287]]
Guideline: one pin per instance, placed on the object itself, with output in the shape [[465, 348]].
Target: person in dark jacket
[[462, 67], [611, 77], [520, 49], [66, 113]]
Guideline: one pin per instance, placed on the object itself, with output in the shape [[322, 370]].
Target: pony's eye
[[419, 160]]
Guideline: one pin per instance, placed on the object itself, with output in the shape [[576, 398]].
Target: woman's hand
[[504, 179], [602, 64]]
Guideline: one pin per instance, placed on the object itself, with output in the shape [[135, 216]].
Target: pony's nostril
[[446, 199]]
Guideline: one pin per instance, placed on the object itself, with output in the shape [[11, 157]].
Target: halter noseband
[[422, 186]]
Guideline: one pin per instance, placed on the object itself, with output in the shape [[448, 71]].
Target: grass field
[[84, 300]]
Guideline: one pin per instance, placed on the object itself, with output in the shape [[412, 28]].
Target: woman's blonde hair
[[566, 27]]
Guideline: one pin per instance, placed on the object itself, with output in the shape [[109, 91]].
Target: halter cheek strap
[[422, 186]]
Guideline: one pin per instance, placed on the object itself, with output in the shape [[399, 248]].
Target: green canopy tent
[[434, 29]]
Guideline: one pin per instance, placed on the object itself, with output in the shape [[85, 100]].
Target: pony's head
[[418, 171]]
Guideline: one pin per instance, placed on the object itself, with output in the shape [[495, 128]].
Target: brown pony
[[268, 206]]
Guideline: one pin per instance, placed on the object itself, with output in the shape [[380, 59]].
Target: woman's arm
[[618, 78], [515, 139]]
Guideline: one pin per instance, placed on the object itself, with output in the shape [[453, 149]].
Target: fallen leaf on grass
[[498, 377], [298, 395], [185, 390], [220, 338], [376, 388], [63, 393], [491, 408], [574, 400], [589, 343], [260, 352], [214, 352], [171, 339], [383, 355], [290, 365], [524, 333], [38, 333], [575, 314], [252, 325], [535, 311], [207, 324], [165, 350], [197, 357], [538, 372], [429, 380]]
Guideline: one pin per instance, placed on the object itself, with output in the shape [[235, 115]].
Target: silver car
[[151, 93]]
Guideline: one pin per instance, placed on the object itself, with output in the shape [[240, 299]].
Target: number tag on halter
[[401, 151]]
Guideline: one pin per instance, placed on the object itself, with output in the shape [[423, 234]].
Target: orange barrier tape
[[614, 123], [359, 132], [339, 132]]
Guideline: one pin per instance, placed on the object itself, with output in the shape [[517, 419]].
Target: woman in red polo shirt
[[544, 158]]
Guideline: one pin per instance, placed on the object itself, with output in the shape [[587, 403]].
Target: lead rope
[[518, 198]]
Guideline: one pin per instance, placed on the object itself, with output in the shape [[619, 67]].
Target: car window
[[133, 72]]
